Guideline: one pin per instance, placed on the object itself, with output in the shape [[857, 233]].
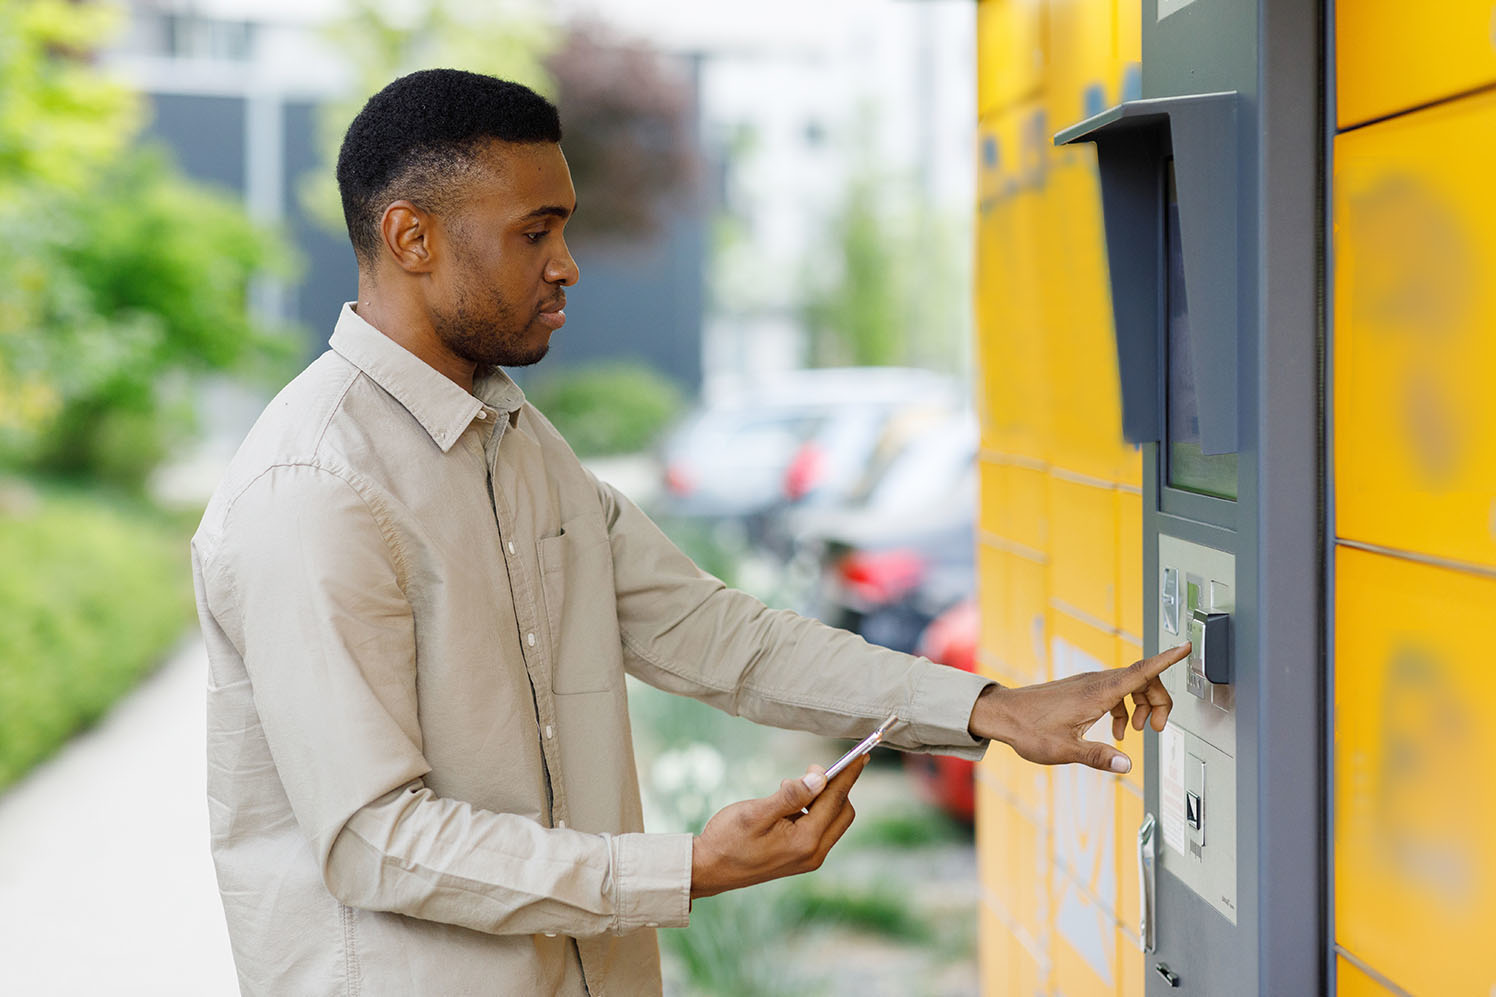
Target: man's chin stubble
[[469, 345]]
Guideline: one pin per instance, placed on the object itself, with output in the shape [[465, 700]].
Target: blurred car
[[900, 550], [890, 588], [946, 782], [800, 435]]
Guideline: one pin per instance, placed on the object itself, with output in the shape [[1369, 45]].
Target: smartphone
[[863, 747]]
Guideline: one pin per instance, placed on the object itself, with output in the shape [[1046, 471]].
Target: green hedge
[[93, 593], [616, 408]]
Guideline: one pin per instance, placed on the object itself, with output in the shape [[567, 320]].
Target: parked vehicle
[[889, 588], [900, 550], [805, 436], [946, 782]]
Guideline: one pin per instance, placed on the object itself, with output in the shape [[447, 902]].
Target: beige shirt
[[419, 610]]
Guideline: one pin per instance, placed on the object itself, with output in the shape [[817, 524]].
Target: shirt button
[[550, 934], [561, 824], [511, 546], [482, 414], [530, 639], [550, 731], [653, 924]]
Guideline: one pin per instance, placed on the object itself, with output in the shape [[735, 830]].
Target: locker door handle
[[1147, 851]]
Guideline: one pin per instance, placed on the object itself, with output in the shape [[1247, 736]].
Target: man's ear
[[407, 232]]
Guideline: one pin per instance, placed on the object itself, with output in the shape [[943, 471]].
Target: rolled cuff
[[652, 876], [940, 711]]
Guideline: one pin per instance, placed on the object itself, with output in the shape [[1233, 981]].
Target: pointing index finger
[[1152, 668]]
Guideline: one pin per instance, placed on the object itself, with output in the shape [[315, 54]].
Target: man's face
[[500, 292]]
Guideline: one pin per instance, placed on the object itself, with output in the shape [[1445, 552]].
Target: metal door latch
[[1170, 977], [1147, 849]]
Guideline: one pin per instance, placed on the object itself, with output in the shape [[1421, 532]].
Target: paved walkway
[[106, 886]]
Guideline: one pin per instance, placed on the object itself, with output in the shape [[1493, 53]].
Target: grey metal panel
[[1280, 690], [1205, 949], [1134, 242], [1205, 164], [1192, 505], [1198, 131], [1289, 403], [1196, 941], [1330, 100], [1269, 51]]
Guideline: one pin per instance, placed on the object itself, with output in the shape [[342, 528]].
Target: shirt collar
[[442, 408]]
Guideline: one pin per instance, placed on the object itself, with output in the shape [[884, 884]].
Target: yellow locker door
[[1414, 349], [1010, 55], [1414, 799], [1392, 55]]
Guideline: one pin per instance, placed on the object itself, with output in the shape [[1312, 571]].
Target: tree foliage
[[60, 119], [148, 285], [879, 291], [857, 313], [58, 124], [629, 135], [122, 278]]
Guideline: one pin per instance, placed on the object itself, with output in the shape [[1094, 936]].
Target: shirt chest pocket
[[576, 582]]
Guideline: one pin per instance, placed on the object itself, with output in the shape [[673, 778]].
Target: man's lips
[[553, 314]]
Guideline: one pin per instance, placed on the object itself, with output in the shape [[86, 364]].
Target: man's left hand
[[1047, 723]]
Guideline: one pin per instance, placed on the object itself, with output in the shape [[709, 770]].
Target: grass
[[874, 909], [95, 589], [909, 829], [733, 945], [782, 937]]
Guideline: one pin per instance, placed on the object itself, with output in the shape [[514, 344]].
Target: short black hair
[[418, 137]]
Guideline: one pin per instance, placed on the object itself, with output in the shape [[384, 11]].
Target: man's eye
[[534, 238]]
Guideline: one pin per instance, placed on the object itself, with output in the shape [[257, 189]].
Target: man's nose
[[563, 269]]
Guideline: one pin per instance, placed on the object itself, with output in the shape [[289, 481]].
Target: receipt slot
[[1212, 189]]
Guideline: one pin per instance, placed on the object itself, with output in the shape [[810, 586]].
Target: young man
[[420, 609]]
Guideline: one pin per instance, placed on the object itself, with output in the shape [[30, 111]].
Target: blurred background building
[[782, 125]]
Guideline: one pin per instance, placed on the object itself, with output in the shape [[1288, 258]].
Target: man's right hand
[[759, 840]]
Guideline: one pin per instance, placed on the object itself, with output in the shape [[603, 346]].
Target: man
[[420, 609]]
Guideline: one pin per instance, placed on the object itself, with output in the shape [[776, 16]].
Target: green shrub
[[147, 278], [95, 591], [614, 409], [918, 828], [123, 279], [729, 949]]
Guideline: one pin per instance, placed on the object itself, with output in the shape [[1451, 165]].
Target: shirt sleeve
[[309, 590], [686, 632]]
